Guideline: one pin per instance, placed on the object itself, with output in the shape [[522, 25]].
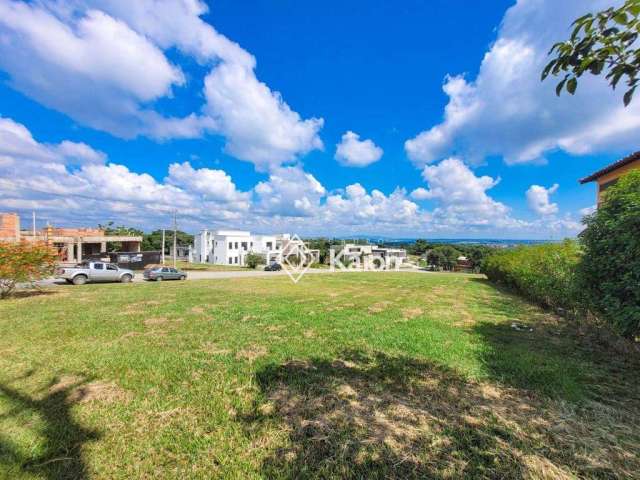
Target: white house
[[370, 254], [230, 247]]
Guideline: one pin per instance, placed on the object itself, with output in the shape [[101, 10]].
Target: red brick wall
[[9, 226]]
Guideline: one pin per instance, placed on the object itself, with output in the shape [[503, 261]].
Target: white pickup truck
[[94, 272]]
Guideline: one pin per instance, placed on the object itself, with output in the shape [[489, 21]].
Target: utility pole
[[175, 239], [162, 247], [33, 228]]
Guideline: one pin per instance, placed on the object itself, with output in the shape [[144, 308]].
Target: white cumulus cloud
[[105, 64], [212, 184], [507, 111], [259, 126], [353, 152], [538, 199], [289, 192], [462, 197], [71, 183], [16, 142]]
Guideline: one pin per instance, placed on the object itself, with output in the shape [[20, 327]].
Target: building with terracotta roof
[[610, 174]]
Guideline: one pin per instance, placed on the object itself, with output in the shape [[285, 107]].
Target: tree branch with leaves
[[602, 42]]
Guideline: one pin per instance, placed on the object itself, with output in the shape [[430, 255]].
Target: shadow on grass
[[63, 437], [378, 416], [560, 358], [30, 292]]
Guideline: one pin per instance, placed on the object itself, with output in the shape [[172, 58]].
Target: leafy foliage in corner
[[600, 42], [24, 262], [610, 269], [545, 274]]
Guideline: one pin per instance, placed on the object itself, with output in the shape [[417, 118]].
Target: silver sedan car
[[164, 273]]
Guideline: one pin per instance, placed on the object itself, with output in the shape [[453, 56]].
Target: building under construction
[[72, 243]]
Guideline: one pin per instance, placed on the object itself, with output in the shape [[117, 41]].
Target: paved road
[[200, 275], [205, 275]]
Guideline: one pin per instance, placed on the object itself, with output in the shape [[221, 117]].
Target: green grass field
[[394, 375]]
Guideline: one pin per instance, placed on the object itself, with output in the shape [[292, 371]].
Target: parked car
[[273, 267], [94, 272], [164, 273]]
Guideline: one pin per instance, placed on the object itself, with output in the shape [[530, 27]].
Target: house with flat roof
[[610, 174], [371, 255], [231, 247]]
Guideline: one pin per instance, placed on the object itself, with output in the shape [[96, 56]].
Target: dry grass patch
[[152, 321], [389, 417], [76, 391], [379, 306], [411, 313], [252, 353], [98, 392], [213, 349]]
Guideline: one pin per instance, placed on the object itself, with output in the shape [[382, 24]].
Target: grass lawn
[[364, 375]]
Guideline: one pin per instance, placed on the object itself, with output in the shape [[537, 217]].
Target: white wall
[[230, 247]]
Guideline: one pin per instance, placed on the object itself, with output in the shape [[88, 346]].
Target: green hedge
[[610, 268], [545, 273], [601, 274]]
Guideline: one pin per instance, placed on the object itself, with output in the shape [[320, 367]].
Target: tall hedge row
[[545, 273], [610, 269], [599, 273]]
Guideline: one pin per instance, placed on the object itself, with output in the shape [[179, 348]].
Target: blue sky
[[232, 113]]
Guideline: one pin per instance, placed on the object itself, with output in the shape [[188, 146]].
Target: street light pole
[[175, 239], [162, 256]]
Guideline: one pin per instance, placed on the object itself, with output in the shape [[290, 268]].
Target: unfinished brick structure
[[72, 243], [9, 227]]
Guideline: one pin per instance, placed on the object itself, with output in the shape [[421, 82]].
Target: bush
[[252, 260], [543, 273], [24, 262], [610, 270]]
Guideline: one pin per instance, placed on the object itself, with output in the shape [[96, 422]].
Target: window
[[165, 270], [173, 270], [269, 245], [236, 259], [112, 267], [98, 266], [230, 245], [236, 245], [251, 244], [244, 246], [230, 260]]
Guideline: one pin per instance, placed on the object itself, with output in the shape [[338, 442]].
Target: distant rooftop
[[610, 168]]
